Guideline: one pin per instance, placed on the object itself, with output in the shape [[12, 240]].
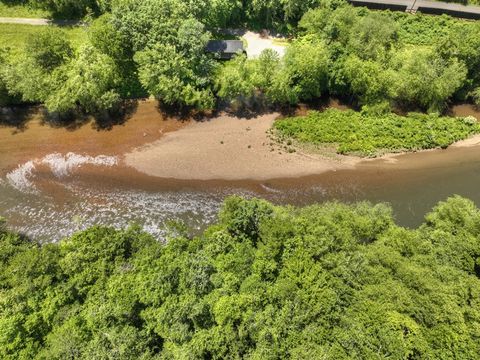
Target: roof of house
[[225, 46]]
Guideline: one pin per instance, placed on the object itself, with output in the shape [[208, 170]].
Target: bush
[[371, 134]]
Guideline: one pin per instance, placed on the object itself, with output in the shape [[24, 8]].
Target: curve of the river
[[57, 180]]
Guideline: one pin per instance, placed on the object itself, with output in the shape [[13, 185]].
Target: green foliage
[[157, 48], [304, 75], [49, 48], [168, 75], [368, 79], [236, 78], [18, 9], [327, 281], [425, 29], [103, 35], [415, 61], [168, 44], [422, 77], [370, 134], [5, 97], [241, 77], [30, 75], [88, 82], [476, 96], [373, 36], [300, 75]]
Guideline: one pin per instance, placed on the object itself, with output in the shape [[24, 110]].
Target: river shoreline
[[229, 148], [56, 181], [223, 148]]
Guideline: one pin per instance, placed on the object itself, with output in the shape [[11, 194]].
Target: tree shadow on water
[[182, 113], [246, 107], [118, 116], [17, 117], [101, 121]]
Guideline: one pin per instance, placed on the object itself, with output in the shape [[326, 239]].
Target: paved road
[[423, 6], [38, 22]]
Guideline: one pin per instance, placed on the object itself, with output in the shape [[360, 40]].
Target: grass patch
[[14, 36], [22, 11], [356, 133]]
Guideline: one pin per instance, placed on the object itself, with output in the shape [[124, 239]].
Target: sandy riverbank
[[231, 148], [228, 148]]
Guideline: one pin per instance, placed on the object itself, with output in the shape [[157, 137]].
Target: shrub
[[371, 134]]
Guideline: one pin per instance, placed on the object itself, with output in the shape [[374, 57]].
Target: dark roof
[[225, 46]]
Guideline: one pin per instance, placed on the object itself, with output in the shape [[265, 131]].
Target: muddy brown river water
[[56, 180]]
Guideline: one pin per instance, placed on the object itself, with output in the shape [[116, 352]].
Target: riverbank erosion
[[229, 148]]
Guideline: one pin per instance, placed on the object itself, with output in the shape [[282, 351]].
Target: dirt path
[[256, 44], [39, 22]]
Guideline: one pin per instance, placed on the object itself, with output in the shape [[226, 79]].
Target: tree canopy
[[157, 48], [328, 281]]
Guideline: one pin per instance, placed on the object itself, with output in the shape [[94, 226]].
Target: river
[[55, 180]]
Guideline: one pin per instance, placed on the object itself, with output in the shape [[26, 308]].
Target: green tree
[[71, 8], [5, 96], [368, 80], [107, 39], [424, 78], [181, 73], [373, 36], [334, 281], [304, 74], [49, 48], [87, 83], [30, 75], [236, 78], [242, 77]]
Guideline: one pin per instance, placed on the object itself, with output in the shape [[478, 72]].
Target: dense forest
[[327, 281], [156, 48]]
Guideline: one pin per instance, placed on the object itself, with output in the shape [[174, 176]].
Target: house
[[225, 49]]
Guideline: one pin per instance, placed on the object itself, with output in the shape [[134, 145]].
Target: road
[[258, 43], [423, 6]]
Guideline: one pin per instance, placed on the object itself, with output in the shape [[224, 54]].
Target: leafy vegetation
[[328, 281], [370, 134], [157, 48], [414, 62]]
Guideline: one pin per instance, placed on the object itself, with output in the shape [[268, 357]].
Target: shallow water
[[55, 181]]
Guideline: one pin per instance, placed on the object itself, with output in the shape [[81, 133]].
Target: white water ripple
[[60, 166], [20, 177]]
